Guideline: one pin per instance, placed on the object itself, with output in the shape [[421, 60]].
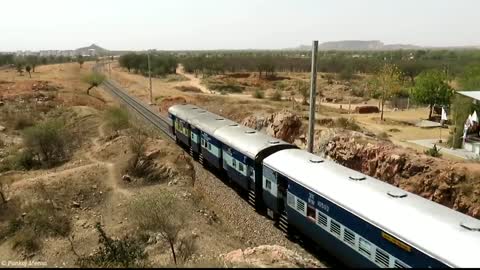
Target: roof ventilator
[[274, 142], [220, 119], [397, 194], [250, 132], [316, 160], [357, 178], [233, 125], [471, 226]]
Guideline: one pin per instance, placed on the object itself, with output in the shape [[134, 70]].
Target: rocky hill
[[372, 45]]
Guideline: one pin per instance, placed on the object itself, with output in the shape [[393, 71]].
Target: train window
[[382, 258], [290, 200], [268, 185], [301, 206], [209, 147], [349, 237], [322, 220], [240, 167], [365, 247], [234, 163], [252, 172], [334, 227], [311, 213]]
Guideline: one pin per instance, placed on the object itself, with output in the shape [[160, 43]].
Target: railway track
[[163, 123]]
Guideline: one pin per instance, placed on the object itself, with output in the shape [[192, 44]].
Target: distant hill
[[98, 51], [370, 45]]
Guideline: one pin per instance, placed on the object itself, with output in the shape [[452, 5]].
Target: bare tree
[[162, 214], [94, 79]]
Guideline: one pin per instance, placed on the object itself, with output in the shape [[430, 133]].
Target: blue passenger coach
[[243, 152], [194, 128], [363, 221]]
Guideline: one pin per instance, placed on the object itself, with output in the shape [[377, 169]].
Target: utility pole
[[109, 66], [313, 94], [150, 77]]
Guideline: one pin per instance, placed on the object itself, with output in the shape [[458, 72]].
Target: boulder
[[126, 178], [283, 125]]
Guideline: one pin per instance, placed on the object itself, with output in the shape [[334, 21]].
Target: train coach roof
[[246, 140], [200, 118], [186, 111], [211, 122], [433, 228]]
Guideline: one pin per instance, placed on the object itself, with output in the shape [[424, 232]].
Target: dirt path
[[66, 172], [113, 173], [194, 81]]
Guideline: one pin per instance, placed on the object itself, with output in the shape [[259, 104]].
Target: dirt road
[[194, 81]]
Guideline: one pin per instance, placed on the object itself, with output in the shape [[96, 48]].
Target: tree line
[[30, 62], [346, 64], [160, 64]]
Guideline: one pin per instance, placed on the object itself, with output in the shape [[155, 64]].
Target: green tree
[[470, 79], [19, 67], [411, 69], [80, 60], [463, 106], [432, 88], [389, 83], [94, 79], [33, 61], [28, 68]]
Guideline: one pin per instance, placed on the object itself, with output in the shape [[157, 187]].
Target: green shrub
[[23, 121], [49, 141], [258, 94], [358, 92], [24, 160], [434, 151], [276, 96], [41, 220], [383, 135], [127, 252], [117, 118], [27, 240], [349, 124]]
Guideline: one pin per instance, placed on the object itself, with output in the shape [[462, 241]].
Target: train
[[360, 220]]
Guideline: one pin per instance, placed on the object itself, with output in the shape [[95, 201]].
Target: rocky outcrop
[[282, 125], [268, 256], [455, 185]]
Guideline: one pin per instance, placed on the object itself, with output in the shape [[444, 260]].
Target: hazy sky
[[233, 24]]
